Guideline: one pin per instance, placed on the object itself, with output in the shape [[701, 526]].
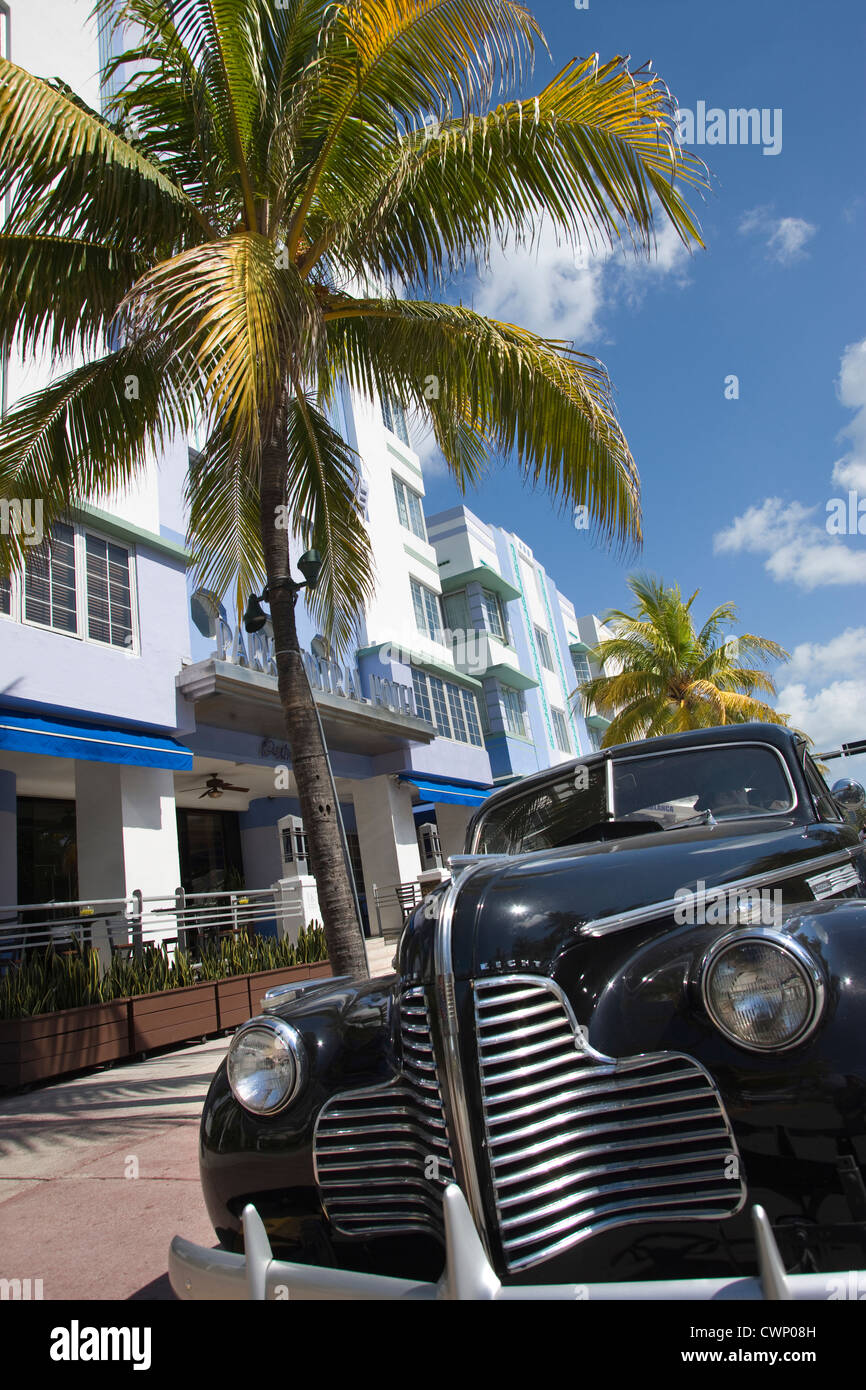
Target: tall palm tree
[[234, 239], [673, 677]]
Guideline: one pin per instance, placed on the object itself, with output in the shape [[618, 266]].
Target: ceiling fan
[[215, 786]]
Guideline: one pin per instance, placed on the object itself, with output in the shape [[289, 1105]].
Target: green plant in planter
[[70, 978]]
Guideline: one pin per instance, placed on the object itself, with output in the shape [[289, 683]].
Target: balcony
[[482, 655]]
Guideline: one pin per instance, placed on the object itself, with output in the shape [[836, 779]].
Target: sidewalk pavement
[[98, 1173]]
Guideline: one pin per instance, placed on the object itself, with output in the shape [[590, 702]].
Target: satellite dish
[[321, 647], [205, 608]]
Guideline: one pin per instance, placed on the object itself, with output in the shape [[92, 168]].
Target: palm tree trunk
[[309, 758]]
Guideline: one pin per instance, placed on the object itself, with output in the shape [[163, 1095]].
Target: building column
[[452, 822], [388, 842], [8, 840], [126, 828]]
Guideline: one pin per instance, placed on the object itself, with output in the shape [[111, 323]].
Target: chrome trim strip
[[452, 1085], [802, 958], [603, 926]]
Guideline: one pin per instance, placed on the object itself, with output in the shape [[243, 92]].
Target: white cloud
[[785, 238], [823, 691], [832, 715], [844, 655], [850, 471], [795, 538], [797, 549], [559, 293], [546, 288], [428, 451]]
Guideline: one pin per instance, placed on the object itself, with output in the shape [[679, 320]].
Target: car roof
[[776, 734]]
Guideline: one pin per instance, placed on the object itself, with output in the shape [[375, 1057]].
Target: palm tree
[[233, 240], [671, 677]]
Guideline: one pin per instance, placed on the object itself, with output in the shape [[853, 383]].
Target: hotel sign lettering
[[255, 652]]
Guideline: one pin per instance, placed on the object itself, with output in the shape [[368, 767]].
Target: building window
[[49, 581], [455, 704], [457, 612], [428, 615], [422, 695], [470, 709], [515, 711], [5, 596], [409, 508], [450, 708], [394, 419], [493, 619], [580, 662], [440, 706], [544, 651], [595, 738], [109, 607], [76, 583], [560, 730]]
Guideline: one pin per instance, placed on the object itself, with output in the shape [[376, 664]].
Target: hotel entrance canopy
[[447, 793], [94, 743]]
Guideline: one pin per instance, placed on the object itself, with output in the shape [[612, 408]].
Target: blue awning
[[92, 743], [449, 793]]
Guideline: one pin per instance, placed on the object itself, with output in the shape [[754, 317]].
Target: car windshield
[[649, 792]]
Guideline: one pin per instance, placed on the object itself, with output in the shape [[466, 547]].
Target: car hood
[[523, 911]]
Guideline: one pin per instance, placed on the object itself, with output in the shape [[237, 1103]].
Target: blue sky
[[776, 299]]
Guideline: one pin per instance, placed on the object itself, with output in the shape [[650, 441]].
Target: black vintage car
[[626, 1042]]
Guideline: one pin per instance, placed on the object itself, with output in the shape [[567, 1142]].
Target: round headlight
[[763, 991], [267, 1065]]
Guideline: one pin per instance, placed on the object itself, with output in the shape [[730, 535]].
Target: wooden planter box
[[50, 1045], [172, 1016], [32, 1049], [233, 1001]]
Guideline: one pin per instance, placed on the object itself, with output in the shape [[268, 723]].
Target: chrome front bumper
[[198, 1273]]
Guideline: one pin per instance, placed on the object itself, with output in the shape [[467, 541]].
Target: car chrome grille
[[580, 1143], [382, 1154]]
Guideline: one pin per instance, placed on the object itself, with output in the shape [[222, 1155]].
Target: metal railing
[[398, 900], [177, 920]]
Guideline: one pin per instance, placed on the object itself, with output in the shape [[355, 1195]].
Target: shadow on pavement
[[157, 1291]]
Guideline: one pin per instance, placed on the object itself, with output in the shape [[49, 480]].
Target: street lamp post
[[310, 565], [848, 750]]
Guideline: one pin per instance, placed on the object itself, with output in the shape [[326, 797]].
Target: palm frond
[[242, 314], [221, 41], [224, 527], [71, 173], [321, 498], [387, 60], [60, 293], [591, 153], [91, 431], [550, 407]]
